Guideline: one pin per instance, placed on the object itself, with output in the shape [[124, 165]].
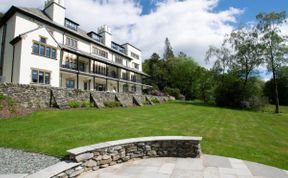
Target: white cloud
[[190, 25]]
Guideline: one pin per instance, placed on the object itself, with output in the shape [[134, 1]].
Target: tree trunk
[[276, 92]]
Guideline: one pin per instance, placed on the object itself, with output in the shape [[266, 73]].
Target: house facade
[[43, 47]]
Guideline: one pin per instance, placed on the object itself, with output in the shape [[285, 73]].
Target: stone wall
[[93, 157], [39, 97]]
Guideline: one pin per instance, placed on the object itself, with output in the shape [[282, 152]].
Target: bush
[[155, 100], [9, 102], [112, 104], [86, 104], [173, 92], [80, 104], [74, 104], [146, 102]]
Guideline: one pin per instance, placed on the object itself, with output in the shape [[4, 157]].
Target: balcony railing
[[112, 74]]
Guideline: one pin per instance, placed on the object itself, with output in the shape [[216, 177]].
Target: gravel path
[[19, 162]]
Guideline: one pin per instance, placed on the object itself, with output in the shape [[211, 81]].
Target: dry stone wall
[[40, 97], [94, 157]]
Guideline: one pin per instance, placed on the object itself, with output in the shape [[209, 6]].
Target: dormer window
[[71, 25], [96, 36], [43, 40], [117, 47]]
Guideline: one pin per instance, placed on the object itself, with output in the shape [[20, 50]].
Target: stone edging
[[102, 155]]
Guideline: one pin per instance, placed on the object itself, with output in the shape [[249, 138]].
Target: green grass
[[256, 136]]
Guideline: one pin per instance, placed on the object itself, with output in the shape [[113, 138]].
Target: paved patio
[[206, 167]]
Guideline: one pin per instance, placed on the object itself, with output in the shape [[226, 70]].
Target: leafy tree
[[206, 84], [247, 52], [282, 84], [275, 45], [168, 51], [222, 58]]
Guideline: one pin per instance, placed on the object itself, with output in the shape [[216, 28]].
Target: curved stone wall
[[106, 154]]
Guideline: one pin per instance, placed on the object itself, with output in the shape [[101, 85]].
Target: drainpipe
[[13, 59]]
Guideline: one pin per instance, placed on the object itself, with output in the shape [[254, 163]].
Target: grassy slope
[[260, 137]]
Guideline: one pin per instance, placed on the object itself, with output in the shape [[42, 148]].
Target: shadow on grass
[[283, 109]]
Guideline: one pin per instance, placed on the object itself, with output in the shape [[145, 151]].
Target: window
[[34, 76], [82, 66], [125, 88], [48, 52], [118, 59], [71, 25], [136, 56], [40, 77], [44, 50], [133, 89], [47, 78], [136, 66], [54, 53], [99, 52], [35, 48], [43, 40], [71, 42], [70, 83], [133, 78]]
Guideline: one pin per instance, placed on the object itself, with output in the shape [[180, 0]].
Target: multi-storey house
[[43, 47]]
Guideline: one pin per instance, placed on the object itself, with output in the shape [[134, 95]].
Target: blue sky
[[251, 7], [191, 25]]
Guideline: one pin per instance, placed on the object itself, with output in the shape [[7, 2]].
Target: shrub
[[172, 92], [9, 102], [146, 102], [86, 104], [74, 104], [155, 100], [112, 104]]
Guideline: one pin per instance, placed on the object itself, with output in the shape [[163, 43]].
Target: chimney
[[55, 9], [105, 32]]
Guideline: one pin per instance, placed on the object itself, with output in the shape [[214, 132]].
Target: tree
[[275, 43], [168, 51], [222, 58], [247, 52], [1, 15], [282, 85]]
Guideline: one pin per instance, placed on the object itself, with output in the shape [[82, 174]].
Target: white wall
[[7, 63], [30, 61], [56, 13], [130, 49]]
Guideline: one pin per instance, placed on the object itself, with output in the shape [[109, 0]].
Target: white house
[[43, 47]]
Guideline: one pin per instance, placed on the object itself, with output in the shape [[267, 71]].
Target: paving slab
[[207, 166], [13, 176]]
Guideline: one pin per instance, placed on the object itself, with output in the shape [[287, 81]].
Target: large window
[[70, 83], [40, 77], [136, 56], [71, 42], [134, 89], [42, 49], [136, 66], [99, 52], [118, 59]]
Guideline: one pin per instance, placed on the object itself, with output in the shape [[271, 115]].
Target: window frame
[[38, 77], [38, 53]]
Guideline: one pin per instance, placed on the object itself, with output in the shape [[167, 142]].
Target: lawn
[[256, 136]]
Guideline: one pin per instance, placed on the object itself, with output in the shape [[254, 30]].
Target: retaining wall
[[94, 157], [40, 97]]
